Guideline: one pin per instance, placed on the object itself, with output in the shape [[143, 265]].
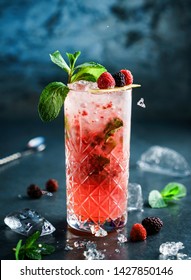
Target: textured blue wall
[[152, 38]]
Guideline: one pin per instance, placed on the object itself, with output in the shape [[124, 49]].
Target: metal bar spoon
[[36, 144]]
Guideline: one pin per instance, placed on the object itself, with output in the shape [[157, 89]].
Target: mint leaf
[[156, 200], [33, 254], [32, 239], [32, 249], [90, 64], [46, 249], [98, 163], [57, 58], [173, 191], [72, 58], [83, 76], [17, 249], [51, 100], [112, 127], [91, 68]]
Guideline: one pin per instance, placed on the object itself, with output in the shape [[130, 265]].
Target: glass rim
[[108, 90]]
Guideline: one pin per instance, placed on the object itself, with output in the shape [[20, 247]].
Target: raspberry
[[119, 79], [152, 225], [34, 191], [138, 233], [52, 185], [128, 76], [105, 81]]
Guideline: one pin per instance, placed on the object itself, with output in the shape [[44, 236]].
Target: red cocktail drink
[[97, 140]]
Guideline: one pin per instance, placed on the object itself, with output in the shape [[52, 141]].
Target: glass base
[[85, 226]]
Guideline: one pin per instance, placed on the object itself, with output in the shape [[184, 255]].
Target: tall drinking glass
[[97, 144]]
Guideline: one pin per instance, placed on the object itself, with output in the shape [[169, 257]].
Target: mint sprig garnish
[[32, 249], [53, 96], [172, 191]]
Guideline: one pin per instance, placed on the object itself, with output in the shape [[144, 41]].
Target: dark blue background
[[151, 38]]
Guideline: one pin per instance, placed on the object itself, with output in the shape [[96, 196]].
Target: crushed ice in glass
[[135, 198], [82, 85], [170, 248], [121, 238], [163, 160], [98, 231], [92, 253], [27, 221]]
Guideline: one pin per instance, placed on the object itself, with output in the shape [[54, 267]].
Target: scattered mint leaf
[[32, 249], [47, 249], [51, 100], [32, 239], [173, 191], [17, 249], [57, 58], [155, 200], [33, 254]]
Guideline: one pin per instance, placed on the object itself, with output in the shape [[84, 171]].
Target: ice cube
[[93, 254], [163, 160], [141, 103], [117, 251], [47, 193], [98, 231], [135, 198], [170, 248], [79, 244], [181, 256], [121, 238], [68, 248], [91, 245], [27, 221]]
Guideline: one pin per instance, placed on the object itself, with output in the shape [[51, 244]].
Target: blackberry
[[34, 191], [119, 78], [152, 225]]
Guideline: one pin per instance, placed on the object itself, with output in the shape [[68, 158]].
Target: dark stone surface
[[152, 38], [16, 177]]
